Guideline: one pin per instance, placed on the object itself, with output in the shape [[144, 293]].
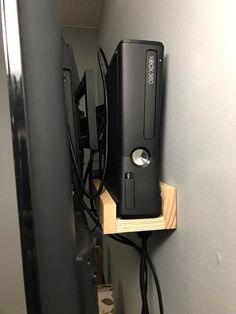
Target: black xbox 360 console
[[134, 90]]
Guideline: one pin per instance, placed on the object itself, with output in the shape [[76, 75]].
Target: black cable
[[104, 57], [89, 166], [129, 242], [99, 53], [80, 188], [101, 149], [74, 161], [121, 239], [142, 284], [91, 187], [157, 284], [78, 174], [143, 273], [94, 228], [126, 241], [72, 150]]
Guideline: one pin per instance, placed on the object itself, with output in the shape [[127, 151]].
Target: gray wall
[[12, 298], [84, 42], [197, 263]]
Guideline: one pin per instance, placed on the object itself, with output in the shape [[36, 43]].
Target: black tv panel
[[52, 257]]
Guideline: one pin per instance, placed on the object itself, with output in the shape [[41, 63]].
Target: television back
[[42, 163]]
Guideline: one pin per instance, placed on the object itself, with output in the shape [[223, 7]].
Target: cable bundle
[[80, 190]]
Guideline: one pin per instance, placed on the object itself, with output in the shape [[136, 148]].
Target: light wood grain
[[169, 196], [111, 224], [106, 211], [142, 224]]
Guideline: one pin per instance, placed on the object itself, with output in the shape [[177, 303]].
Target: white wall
[[197, 263], [12, 299]]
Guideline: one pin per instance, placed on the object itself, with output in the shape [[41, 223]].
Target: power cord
[[143, 252], [145, 258], [143, 272]]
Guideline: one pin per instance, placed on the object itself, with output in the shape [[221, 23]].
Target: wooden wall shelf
[[111, 224]]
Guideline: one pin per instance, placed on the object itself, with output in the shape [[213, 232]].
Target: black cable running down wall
[[80, 190]]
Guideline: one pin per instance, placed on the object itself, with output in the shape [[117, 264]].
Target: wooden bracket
[[112, 224]]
